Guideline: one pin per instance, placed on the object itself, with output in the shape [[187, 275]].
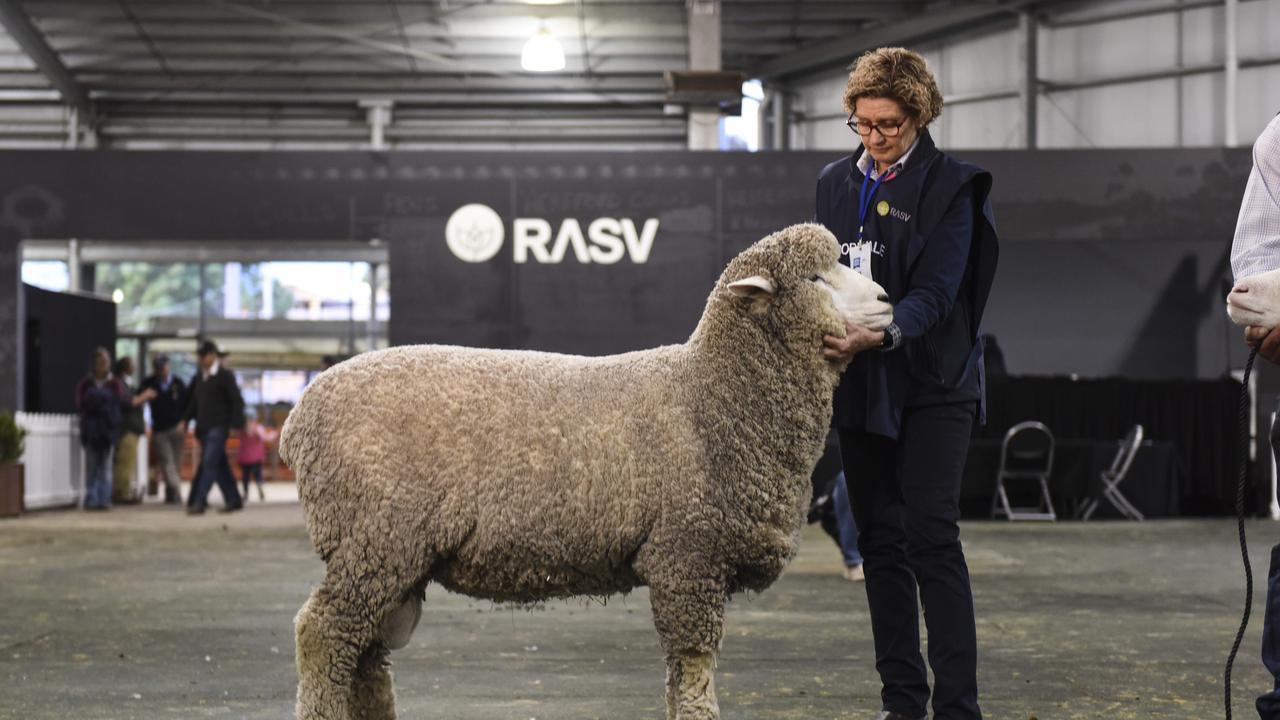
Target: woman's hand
[[856, 340]]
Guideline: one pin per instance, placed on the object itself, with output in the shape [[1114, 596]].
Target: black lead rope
[[1244, 548]]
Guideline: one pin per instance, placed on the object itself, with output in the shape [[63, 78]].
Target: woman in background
[[133, 425], [99, 401]]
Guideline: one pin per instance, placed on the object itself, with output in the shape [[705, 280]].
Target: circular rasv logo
[[474, 233]]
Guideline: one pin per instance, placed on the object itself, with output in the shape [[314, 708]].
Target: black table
[[1154, 483]]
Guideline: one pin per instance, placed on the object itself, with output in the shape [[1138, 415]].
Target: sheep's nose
[[883, 298]]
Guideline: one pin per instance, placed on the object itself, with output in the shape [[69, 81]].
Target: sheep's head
[[792, 284]]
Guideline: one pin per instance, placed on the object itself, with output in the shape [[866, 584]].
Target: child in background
[[253, 452]]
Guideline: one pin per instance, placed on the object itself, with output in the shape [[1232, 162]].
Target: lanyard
[[866, 198]]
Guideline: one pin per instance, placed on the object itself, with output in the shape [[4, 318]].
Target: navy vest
[[944, 363]]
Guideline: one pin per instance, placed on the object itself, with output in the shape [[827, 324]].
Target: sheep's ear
[[757, 287]]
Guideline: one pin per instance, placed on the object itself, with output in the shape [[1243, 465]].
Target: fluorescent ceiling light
[[542, 53]]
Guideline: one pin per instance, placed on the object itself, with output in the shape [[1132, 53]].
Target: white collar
[[866, 164], [213, 370]]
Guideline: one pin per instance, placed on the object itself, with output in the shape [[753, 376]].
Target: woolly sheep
[[521, 476]]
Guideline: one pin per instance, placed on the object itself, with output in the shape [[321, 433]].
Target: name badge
[[860, 259]]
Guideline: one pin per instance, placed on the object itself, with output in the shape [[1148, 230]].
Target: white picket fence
[[54, 461]]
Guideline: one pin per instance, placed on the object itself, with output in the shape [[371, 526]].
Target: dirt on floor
[[143, 612]]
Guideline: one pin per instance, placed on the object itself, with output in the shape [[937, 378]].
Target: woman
[[132, 427], [919, 223], [100, 402]]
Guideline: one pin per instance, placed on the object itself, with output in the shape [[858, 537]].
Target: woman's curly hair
[[898, 74]]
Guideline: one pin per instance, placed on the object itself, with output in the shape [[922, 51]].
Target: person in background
[[847, 530], [133, 426], [253, 452], [1255, 250], [217, 407], [168, 400], [830, 506], [99, 401]]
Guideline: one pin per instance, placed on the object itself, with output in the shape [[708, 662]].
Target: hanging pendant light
[[542, 53]]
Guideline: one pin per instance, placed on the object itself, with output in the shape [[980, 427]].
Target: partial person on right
[[1255, 302]]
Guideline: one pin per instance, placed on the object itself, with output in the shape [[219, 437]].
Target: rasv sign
[[475, 233]]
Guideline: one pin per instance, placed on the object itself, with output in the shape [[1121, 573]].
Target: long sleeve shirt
[[1256, 246]]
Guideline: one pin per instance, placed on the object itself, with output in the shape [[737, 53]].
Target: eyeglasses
[[864, 128]]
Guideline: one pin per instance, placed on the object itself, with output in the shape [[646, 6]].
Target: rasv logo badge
[[474, 233]]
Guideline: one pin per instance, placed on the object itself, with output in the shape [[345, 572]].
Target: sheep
[[520, 476]]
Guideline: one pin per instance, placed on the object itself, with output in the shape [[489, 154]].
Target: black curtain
[[1197, 416]]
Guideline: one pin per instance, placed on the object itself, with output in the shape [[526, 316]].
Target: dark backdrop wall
[[1113, 262], [10, 320], [61, 332]]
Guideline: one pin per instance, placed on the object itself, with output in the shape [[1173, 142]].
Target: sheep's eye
[[819, 279]]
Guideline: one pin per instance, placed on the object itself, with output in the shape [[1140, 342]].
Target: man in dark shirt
[[167, 435], [217, 406]]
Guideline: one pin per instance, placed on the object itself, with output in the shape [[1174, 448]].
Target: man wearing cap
[[217, 406], [166, 434]]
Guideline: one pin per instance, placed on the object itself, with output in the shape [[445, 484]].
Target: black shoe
[[232, 508], [195, 511], [886, 715]]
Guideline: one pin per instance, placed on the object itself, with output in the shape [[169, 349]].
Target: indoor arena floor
[[143, 612]]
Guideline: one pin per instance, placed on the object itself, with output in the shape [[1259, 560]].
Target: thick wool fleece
[[520, 476]]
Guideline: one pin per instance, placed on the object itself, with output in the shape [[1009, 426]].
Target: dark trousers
[[906, 500], [1269, 704], [251, 471], [214, 467]]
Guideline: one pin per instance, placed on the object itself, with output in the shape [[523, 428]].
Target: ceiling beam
[[24, 32], [436, 59], [342, 34], [363, 83], [925, 26], [347, 14], [455, 100]]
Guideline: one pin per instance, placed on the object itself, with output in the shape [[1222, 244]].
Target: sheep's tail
[[305, 447]]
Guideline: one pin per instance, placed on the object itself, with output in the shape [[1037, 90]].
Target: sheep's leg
[[690, 623], [342, 669], [372, 695], [329, 643]]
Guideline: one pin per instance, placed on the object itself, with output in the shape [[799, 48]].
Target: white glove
[[1256, 301]]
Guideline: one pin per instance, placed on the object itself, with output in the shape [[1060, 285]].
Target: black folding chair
[[1025, 454], [1114, 475]]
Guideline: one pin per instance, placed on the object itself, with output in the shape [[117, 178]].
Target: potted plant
[[12, 483]]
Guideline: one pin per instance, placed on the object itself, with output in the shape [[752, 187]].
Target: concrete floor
[[145, 613]]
